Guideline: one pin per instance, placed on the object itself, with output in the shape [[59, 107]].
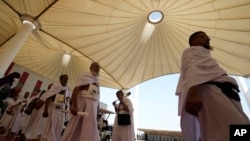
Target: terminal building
[[159, 135]]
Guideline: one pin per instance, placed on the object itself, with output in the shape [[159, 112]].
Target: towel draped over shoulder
[[197, 67], [86, 78]]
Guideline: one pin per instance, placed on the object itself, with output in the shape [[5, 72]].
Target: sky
[[156, 106]]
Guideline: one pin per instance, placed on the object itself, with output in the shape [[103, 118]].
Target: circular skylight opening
[[30, 23], [155, 17]]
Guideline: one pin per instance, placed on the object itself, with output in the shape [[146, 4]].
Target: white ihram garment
[[84, 128], [55, 120], [218, 111], [124, 132], [27, 117], [18, 116], [35, 124], [15, 123], [7, 118], [54, 124]]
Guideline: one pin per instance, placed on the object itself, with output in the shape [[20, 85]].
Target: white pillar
[[136, 109], [11, 48], [244, 89]]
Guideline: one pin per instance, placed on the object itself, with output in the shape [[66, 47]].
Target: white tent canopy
[[117, 34]]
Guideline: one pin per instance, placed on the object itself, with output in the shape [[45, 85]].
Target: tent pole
[[11, 48]]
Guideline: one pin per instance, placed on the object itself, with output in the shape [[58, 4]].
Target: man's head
[[200, 38], [119, 94], [95, 69], [64, 79], [26, 94]]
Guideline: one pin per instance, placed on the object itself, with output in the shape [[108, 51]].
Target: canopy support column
[[12, 47]]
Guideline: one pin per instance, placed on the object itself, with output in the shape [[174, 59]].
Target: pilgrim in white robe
[[7, 118], [124, 132], [218, 111], [25, 122], [36, 122], [18, 117], [55, 121], [84, 128], [189, 124]]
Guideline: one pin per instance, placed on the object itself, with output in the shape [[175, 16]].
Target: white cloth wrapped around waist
[[78, 113], [87, 94]]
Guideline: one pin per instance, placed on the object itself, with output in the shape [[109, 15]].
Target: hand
[[73, 110], [193, 102], [114, 103], [128, 94], [39, 104], [45, 113], [121, 100], [193, 108], [9, 112]]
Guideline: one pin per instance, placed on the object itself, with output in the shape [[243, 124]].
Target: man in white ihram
[[54, 100], [85, 98], [207, 94]]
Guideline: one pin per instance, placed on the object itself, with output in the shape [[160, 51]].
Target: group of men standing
[[85, 98], [54, 104]]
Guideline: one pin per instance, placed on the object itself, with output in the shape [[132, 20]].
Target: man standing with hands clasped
[[207, 93]]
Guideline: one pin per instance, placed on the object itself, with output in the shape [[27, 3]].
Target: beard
[[95, 73], [207, 46]]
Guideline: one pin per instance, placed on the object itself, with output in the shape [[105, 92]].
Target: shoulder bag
[[123, 119]]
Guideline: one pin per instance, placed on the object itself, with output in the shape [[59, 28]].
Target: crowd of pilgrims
[[19, 115], [22, 116]]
